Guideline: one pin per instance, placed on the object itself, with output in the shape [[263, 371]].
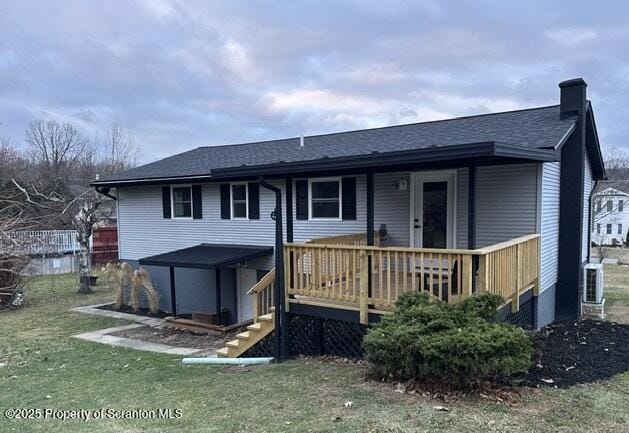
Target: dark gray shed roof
[[529, 130], [208, 256]]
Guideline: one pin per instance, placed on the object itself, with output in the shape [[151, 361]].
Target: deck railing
[[36, 242], [263, 292], [353, 239], [369, 277]]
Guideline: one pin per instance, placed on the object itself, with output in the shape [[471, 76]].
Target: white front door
[[247, 278], [432, 218]]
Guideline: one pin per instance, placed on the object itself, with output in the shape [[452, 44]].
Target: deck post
[[289, 228], [471, 207], [370, 227], [364, 287], [289, 209], [218, 297], [471, 220], [173, 299]]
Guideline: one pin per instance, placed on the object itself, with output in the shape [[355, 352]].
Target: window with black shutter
[[349, 198], [197, 202], [182, 201], [325, 198], [225, 201], [166, 202], [301, 202]]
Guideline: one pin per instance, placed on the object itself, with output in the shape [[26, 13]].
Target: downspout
[[281, 324], [591, 220]]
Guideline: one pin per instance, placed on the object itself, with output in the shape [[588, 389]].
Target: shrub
[[432, 341]]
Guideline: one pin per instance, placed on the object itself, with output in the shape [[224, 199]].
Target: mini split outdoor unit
[[593, 283]]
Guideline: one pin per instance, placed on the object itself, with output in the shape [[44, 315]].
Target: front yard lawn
[[46, 368]]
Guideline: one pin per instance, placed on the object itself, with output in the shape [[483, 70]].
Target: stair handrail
[[262, 293]]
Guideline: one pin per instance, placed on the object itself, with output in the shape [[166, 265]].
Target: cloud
[[180, 74]]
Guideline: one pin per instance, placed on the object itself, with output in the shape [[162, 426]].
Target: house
[[489, 203], [610, 222]]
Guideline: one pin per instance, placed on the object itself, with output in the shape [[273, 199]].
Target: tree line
[[59, 162]]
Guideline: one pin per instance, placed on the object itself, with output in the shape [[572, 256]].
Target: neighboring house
[[610, 222], [495, 202]]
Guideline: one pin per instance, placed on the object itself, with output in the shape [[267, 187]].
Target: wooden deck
[[372, 278]]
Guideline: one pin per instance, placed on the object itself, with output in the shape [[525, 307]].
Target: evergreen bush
[[432, 341]]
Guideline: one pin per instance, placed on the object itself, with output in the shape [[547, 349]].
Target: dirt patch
[[128, 310], [176, 338], [569, 353]]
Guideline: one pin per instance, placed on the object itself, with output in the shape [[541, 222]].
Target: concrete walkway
[[103, 336], [93, 309]]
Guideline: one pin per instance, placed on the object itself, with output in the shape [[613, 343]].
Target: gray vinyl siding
[[506, 202], [550, 224], [392, 206], [587, 189], [506, 208], [144, 232], [195, 289]]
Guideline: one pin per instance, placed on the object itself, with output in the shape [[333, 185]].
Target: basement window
[[325, 198]]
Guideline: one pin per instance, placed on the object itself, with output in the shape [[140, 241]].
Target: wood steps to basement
[[255, 332]]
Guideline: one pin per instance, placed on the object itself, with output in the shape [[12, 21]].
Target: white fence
[[41, 242]]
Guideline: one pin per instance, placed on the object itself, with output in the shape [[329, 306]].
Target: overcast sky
[[182, 74]]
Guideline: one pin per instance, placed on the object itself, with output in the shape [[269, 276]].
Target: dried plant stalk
[[144, 281]]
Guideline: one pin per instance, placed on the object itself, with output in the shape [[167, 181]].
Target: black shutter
[[197, 203], [254, 201], [226, 212], [301, 191], [349, 198], [166, 201]]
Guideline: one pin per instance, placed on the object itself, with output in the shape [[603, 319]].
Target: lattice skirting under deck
[[316, 336]]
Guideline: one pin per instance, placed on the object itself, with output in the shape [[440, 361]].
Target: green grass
[[617, 292], [49, 369]]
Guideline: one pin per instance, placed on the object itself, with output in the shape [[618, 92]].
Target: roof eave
[[377, 159]]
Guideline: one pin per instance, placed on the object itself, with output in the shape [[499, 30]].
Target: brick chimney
[[573, 95]]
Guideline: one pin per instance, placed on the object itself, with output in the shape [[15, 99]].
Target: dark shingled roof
[[620, 185], [530, 129], [208, 256]]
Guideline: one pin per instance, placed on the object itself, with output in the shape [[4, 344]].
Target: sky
[[182, 74]]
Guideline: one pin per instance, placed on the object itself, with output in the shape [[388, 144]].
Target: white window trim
[[231, 200], [325, 179], [172, 202]]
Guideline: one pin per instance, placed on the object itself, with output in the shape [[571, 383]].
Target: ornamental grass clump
[[458, 344]]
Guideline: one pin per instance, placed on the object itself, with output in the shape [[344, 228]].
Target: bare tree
[[55, 148], [119, 149], [9, 158], [83, 222], [616, 163]]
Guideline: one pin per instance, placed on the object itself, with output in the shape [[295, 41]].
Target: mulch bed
[[177, 338], [141, 312], [575, 352]]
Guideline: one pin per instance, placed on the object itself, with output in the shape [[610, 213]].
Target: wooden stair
[[262, 327]]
